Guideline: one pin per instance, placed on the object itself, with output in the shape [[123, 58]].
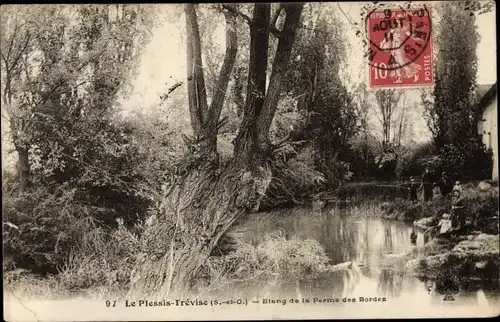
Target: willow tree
[[205, 195], [61, 65]]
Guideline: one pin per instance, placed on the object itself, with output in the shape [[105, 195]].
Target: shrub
[[422, 156], [100, 264], [104, 260], [44, 231], [468, 160], [277, 259], [293, 179], [407, 210], [41, 228]]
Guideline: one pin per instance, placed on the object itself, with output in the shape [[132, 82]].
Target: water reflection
[[376, 248]]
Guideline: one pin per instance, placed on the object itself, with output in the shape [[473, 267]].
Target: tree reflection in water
[[390, 283], [367, 242]]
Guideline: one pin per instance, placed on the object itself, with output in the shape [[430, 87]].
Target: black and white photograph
[[235, 161]]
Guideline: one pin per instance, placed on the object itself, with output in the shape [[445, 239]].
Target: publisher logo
[[448, 288]]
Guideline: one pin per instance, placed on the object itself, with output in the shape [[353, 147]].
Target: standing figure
[[394, 42], [445, 185], [427, 184], [412, 190], [413, 237], [458, 187], [445, 224], [457, 208]]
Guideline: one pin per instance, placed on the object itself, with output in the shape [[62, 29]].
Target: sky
[[164, 62]]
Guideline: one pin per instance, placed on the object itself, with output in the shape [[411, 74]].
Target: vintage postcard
[[249, 161]]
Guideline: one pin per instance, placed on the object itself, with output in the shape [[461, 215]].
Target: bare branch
[[12, 40], [225, 73], [232, 9], [14, 63], [62, 82], [5, 61]]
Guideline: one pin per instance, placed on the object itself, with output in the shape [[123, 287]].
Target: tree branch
[[280, 66], [246, 141], [272, 27], [12, 39], [14, 63], [194, 113], [231, 8], [62, 82], [196, 74], [223, 81], [277, 14]]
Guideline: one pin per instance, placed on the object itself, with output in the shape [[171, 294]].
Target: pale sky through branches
[[164, 62]]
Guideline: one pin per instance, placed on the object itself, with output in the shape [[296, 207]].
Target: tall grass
[[100, 265], [256, 268]]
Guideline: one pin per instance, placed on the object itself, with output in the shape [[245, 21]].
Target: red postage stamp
[[400, 47]]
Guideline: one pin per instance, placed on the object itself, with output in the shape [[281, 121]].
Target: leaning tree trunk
[[198, 210], [194, 216]]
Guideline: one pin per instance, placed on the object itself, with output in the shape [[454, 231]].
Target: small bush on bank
[[102, 264], [372, 190], [277, 259], [407, 210], [41, 228], [293, 180], [107, 260]]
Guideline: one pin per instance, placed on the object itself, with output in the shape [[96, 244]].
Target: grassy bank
[[481, 209], [102, 266], [249, 268], [471, 257], [472, 254]]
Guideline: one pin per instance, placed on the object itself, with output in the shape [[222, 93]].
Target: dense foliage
[[79, 164], [452, 112], [88, 177]]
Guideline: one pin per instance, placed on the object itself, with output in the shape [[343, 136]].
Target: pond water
[[367, 241]]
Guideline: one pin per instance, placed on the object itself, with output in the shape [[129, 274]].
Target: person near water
[[413, 237], [457, 208], [445, 224], [445, 185], [458, 187], [412, 191], [427, 184]]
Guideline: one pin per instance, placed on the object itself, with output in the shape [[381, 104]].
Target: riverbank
[[481, 209], [471, 257], [305, 236], [470, 254]]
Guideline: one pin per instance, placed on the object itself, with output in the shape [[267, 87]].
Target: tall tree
[[63, 65], [451, 112], [456, 70], [327, 108], [208, 196], [387, 104]]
